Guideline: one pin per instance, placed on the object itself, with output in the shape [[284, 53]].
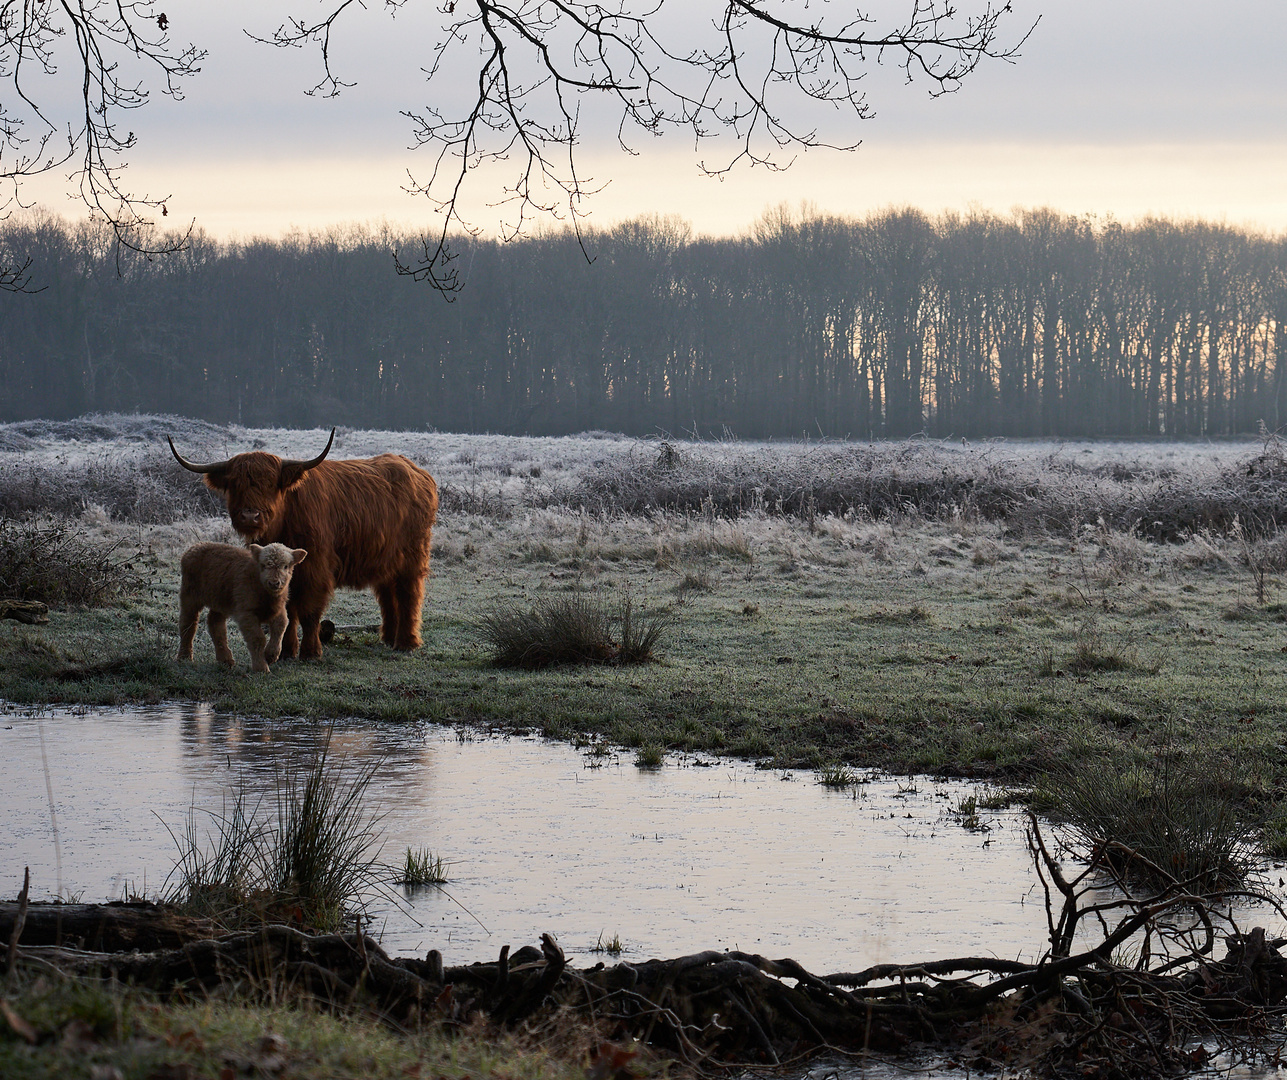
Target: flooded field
[[540, 837]]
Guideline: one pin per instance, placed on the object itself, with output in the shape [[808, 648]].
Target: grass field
[[909, 644], [1021, 613]]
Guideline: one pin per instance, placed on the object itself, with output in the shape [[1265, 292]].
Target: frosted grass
[[120, 466]]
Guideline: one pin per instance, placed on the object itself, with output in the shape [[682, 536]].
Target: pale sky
[[1114, 107]]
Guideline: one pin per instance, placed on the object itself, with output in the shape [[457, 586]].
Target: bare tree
[[748, 75], [747, 79], [114, 48]]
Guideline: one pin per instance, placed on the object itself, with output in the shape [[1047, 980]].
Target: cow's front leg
[[388, 599], [310, 624], [410, 592]]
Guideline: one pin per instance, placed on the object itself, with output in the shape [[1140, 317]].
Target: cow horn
[[188, 465], [303, 466]]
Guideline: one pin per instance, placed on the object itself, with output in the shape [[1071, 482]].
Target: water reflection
[[701, 854]]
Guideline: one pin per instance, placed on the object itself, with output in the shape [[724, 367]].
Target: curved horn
[[188, 465], [304, 466]]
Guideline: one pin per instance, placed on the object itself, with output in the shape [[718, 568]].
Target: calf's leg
[[189, 618], [217, 621], [253, 634], [276, 628]]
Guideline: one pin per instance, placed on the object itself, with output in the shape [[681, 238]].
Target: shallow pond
[[539, 837]]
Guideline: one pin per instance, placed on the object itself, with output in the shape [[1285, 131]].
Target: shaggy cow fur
[[367, 523], [248, 585]]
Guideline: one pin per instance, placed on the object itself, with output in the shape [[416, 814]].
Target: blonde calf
[[248, 585]]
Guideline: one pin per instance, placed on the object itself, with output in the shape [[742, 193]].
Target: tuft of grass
[[308, 860], [838, 776], [612, 947], [640, 634], [576, 629], [216, 875], [917, 614], [998, 799], [1273, 836], [966, 812], [326, 846], [421, 868], [1155, 825], [694, 581], [1240, 612], [52, 562], [650, 756], [1091, 653]]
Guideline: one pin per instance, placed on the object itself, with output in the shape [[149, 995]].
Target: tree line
[[1036, 323]]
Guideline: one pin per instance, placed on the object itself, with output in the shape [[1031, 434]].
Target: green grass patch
[[420, 868], [755, 668], [612, 946], [83, 1028], [838, 776]]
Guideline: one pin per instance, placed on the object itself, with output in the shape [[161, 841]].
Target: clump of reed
[[612, 946], [421, 868], [50, 561], [1158, 826], [576, 629], [308, 860]]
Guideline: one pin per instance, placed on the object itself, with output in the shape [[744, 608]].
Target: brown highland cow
[[248, 585], [366, 523]]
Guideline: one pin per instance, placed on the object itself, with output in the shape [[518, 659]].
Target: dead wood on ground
[[1087, 1011]]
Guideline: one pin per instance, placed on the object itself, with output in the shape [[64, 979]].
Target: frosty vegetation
[[118, 467]]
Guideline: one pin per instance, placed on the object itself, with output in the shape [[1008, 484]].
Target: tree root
[[731, 1008], [1086, 1014]]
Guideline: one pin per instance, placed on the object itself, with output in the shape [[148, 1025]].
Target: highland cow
[[248, 585], [367, 524]]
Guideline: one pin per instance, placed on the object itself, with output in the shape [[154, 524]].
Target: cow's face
[[254, 486]]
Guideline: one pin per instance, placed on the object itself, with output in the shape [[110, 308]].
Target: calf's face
[[276, 564]]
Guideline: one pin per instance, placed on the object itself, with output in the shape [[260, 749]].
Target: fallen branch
[[31, 612]]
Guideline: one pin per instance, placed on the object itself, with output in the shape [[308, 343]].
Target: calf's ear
[[255, 549], [297, 556]]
